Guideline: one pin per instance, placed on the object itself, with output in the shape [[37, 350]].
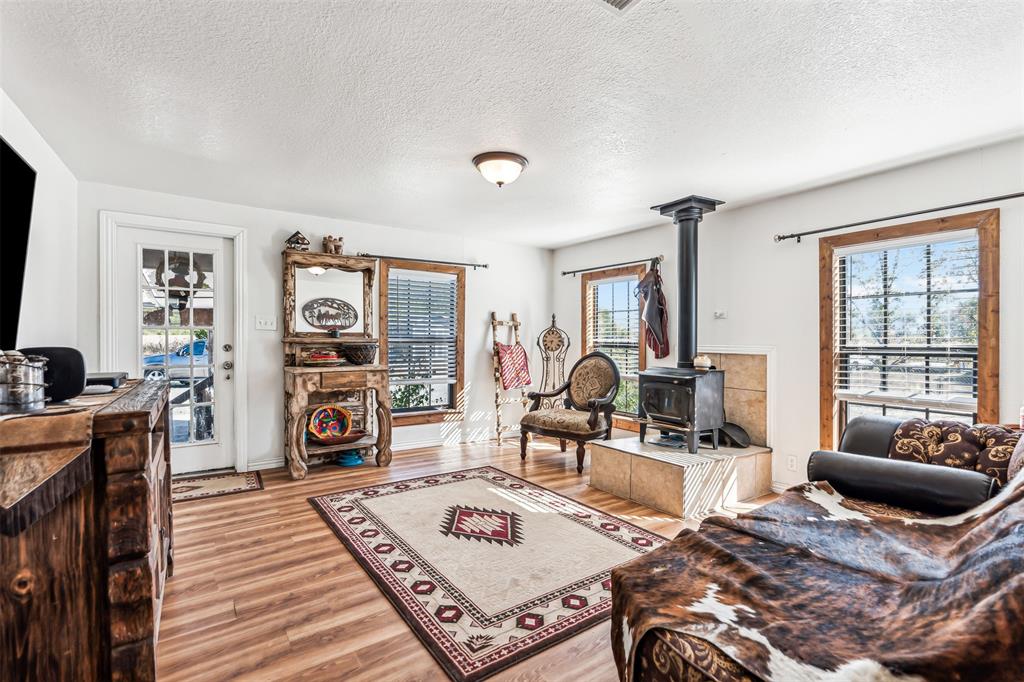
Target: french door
[[175, 323]]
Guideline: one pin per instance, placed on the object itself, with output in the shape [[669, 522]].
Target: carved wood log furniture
[[86, 537], [308, 385]]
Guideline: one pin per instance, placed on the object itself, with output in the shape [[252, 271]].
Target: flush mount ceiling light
[[501, 168]]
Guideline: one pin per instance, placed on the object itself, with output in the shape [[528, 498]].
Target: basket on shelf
[[360, 353]]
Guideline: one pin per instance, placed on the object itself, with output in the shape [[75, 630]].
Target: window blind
[[613, 323], [422, 327], [906, 322]]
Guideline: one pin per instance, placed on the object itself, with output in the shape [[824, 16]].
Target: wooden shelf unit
[[350, 385]]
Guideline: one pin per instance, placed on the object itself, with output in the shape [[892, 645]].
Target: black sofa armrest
[[869, 435], [928, 488]]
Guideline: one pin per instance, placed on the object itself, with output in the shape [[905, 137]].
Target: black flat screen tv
[[17, 187]]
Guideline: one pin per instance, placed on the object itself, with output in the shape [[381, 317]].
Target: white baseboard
[[416, 444], [779, 487], [260, 464]]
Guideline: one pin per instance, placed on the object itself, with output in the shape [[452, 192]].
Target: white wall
[[517, 280], [48, 315], [770, 291]]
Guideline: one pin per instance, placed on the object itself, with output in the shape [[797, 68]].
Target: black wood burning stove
[[677, 399], [684, 398]]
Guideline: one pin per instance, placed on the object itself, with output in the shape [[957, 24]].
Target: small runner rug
[[214, 485], [486, 568]]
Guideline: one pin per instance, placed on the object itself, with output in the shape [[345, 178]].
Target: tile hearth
[[677, 482]]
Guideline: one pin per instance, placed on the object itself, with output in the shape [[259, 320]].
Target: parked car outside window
[[175, 366]]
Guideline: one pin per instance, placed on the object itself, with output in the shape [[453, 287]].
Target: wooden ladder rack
[[500, 399]]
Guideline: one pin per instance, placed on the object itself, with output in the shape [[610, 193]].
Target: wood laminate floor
[[263, 590]]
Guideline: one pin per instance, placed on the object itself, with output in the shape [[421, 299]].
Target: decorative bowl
[[329, 422], [351, 437], [360, 353]]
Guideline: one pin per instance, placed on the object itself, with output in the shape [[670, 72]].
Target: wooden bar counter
[[85, 536]]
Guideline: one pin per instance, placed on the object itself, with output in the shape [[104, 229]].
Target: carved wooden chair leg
[[581, 451], [523, 438], [561, 443]]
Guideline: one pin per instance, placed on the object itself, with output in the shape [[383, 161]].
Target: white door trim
[[110, 221]]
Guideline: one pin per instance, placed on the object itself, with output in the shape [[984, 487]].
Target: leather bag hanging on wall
[[655, 310]]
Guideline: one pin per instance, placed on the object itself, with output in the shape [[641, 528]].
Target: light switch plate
[[266, 324]]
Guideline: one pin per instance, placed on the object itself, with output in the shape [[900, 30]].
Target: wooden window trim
[[428, 416], [610, 273], [987, 225]]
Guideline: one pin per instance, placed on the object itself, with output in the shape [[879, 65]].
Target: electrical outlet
[[791, 463], [266, 324], [721, 314]]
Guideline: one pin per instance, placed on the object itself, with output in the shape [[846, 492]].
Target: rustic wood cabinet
[[86, 539], [307, 387], [362, 389]]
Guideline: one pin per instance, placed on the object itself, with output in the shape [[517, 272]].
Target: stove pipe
[[686, 213]]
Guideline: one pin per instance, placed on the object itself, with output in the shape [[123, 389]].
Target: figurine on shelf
[[297, 242], [334, 245]]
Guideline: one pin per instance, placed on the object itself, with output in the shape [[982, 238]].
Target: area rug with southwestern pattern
[[487, 569], [185, 488]]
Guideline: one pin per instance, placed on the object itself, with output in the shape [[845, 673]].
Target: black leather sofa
[[861, 469]]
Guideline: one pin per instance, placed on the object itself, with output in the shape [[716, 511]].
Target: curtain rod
[[658, 258], [425, 260], [799, 235]]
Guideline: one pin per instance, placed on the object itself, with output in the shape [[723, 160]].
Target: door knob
[[228, 364]]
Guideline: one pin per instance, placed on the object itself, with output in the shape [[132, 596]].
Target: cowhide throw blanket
[[815, 586]]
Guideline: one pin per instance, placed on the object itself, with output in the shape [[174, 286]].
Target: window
[[422, 336], [612, 325], [911, 323]]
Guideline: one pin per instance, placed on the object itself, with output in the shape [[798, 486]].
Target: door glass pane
[[154, 354], [179, 265], [178, 306], [177, 346], [202, 347], [180, 394], [202, 309], [203, 415], [153, 308], [176, 290], [152, 267], [154, 346], [179, 424], [201, 387], [202, 264]]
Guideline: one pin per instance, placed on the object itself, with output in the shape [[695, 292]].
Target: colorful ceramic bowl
[[329, 422]]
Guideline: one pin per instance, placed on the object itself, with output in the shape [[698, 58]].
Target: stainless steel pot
[[22, 388]]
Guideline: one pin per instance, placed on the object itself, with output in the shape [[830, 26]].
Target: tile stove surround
[[678, 482]]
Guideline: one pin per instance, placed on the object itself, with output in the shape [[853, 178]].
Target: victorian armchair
[[589, 403]]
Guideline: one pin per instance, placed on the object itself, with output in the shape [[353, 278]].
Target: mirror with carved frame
[[322, 292]]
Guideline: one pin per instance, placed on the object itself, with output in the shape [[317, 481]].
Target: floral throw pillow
[[981, 447]]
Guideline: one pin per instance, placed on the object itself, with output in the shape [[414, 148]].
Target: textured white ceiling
[[372, 110]]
